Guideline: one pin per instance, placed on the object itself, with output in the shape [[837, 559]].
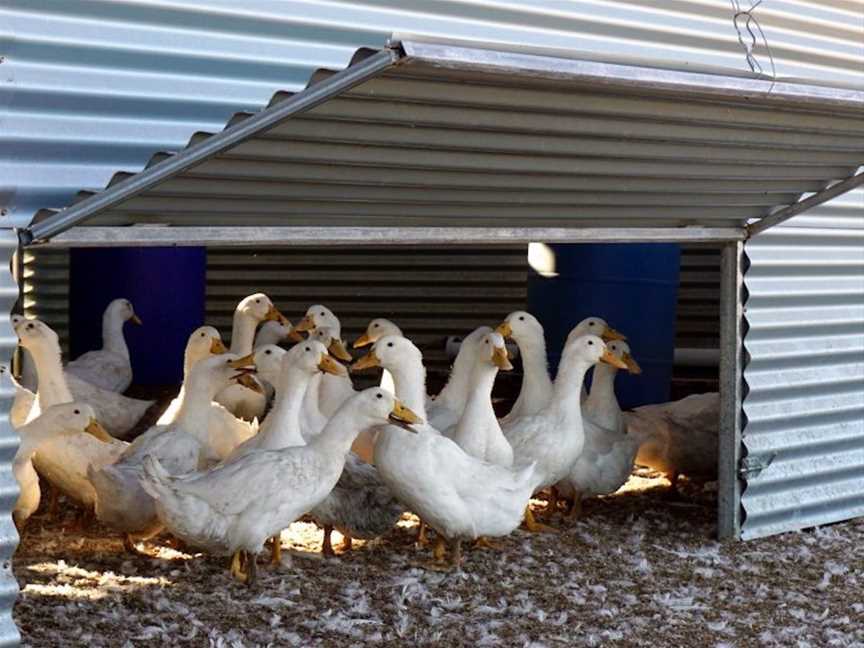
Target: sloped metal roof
[[433, 141]]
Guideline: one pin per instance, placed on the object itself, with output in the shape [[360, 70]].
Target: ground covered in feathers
[[640, 569]]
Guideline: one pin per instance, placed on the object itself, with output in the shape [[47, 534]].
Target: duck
[[375, 330], [593, 326], [27, 378], [182, 446], [234, 507], [250, 312], [282, 428], [23, 400], [553, 439], [117, 413], [607, 458], [460, 496], [109, 367], [446, 408], [313, 418], [334, 390], [679, 437], [63, 420], [276, 332], [65, 460], [224, 430], [478, 431], [536, 389]]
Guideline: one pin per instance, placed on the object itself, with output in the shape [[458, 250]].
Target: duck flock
[[265, 433]]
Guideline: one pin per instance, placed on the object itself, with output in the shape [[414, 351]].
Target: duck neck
[[454, 394], [32, 436], [567, 389], [409, 385], [601, 402], [337, 436], [112, 333], [53, 388], [536, 384], [478, 409], [289, 403], [194, 412], [242, 333]]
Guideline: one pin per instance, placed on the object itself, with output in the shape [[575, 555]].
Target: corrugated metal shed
[[804, 429], [447, 135], [88, 89]]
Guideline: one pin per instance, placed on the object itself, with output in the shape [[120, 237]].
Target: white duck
[[607, 458], [678, 437], [282, 427], [117, 413], [64, 420], [312, 417], [276, 332], [224, 430], [182, 446], [593, 326], [28, 378], [554, 438], [233, 508], [250, 312], [536, 389], [461, 497], [334, 390], [109, 367], [446, 408], [375, 330], [478, 432], [63, 461]]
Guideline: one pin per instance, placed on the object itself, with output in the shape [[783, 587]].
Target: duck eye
[[30, 326], [379, 395], [375, 326], [521, 318], [308, 349], [268, 352], [590, 342], [590, 323], [390, 344], [77, 412], [257, 301], [485, 341], [322, 314]]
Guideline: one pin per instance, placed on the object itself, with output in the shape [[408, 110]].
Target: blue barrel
[[166, 286], [634, 287]]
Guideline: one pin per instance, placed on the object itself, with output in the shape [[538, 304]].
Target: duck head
[[278, 331], [620, 349], [594, 326], [319, 316], [311, 356], [590, 349], [259, 308], [492, 350], [387, 352], [34, 334], [122, 310], [377, 329], [521, 326], [219, 371], [377, 406], [325, 335], [203, 342], [75, 418]]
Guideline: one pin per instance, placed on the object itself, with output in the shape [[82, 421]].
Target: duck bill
[[611, 334], [610, 358], [504, 330], [330, 366], [136, 320], [362, 341], [245, 361], [306, 324], [368, 361], [632, 366], [293, 335], [403, 417], [217, 347], [94, 428], [337, 348], [248, 381], [273, 315], [500, 359]]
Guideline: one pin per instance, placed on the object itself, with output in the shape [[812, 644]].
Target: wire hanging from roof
[[745, 22]]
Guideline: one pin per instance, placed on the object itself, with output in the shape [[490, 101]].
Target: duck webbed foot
[[327, 545], [439, 556], [347, 543], [421, 540], [534, 526]]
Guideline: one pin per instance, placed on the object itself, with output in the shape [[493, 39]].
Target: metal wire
[[745, 22]]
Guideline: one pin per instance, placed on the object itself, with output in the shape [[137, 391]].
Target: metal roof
[[448, 142]]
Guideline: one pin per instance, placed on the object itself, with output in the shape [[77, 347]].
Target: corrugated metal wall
[[804, 406], [8, 444]]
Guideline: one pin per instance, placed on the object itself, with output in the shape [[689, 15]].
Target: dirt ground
[[641, 568]]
